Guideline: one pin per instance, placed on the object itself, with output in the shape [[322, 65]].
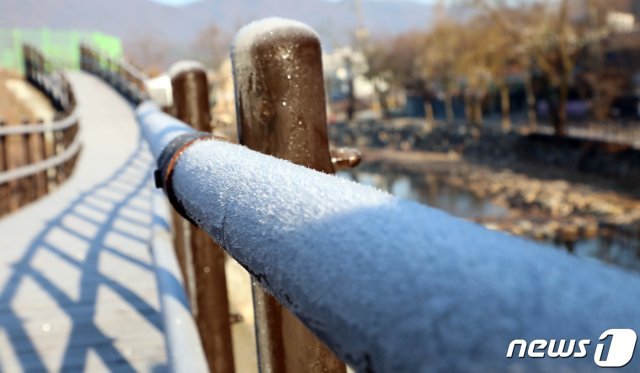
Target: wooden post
[[67, 136], [14, 159], [23, 158], [43, 155], [49, 149], [280, 104], [28, 182], [4, 188], [180, 243], [211, 305], [58, 148], [71, 163]]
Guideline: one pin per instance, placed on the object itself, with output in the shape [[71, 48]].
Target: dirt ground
[[19, 100], [540, 208], [12, 110]]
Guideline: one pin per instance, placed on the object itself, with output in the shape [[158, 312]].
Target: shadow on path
[[119, 206]]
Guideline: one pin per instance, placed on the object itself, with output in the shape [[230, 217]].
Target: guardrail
[[387, 285], [120, 74], [37, 157], [194, 341]]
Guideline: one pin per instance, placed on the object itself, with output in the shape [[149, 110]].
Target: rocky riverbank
[[548, 209], [566, 212], [578, 208], [494, 147]]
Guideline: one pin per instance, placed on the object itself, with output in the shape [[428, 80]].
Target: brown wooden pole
[[66, 141], [35, 155], [49, 149], [43, 155], [211, 305], [280, 104], [13, 187], [4, 188], [30, 182], [58, 148], [14, 158], [180, 244], [26, 183], [70, 165]]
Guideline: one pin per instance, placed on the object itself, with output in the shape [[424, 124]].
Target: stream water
[[456, 201], [462, 203]]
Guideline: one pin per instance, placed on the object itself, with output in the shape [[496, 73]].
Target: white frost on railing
[[160, 128], [388, 284]]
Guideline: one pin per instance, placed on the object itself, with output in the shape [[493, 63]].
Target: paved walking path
[[77, 290]]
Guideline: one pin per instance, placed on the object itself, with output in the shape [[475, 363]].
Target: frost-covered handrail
[[388, 284]]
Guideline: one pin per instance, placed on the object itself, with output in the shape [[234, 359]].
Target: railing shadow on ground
[[121, 193]]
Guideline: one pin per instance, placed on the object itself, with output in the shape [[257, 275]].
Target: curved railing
[[120, 74], [37, 157], [184, 349], [387, 285]]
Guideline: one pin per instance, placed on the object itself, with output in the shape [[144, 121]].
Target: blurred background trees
[[558, 59], [501, 63]]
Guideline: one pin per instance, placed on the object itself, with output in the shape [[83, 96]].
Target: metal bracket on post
[[166, 163]]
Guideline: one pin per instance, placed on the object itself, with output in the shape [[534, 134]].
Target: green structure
[[59, 46]]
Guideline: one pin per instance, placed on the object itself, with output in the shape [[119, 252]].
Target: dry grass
[[11, 109]]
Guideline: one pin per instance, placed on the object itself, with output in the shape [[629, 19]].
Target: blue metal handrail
[[388, 284]]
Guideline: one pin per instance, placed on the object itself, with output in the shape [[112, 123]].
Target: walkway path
[[77, 290]]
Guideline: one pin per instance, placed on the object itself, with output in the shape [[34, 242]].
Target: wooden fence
[[125, 77], [343, 273], [37, 157], [284, 343]]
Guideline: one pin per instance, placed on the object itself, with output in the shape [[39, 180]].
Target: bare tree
[[211, 46], [392, 65], [149, 52], [544, 31], [439, 62]]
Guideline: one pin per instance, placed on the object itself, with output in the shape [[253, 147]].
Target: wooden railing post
[[210, 302], [58, 148], [280, 104], [71, 163], [22, 191], [41, 151], [49, 149], [4, 188], [28, 183]]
